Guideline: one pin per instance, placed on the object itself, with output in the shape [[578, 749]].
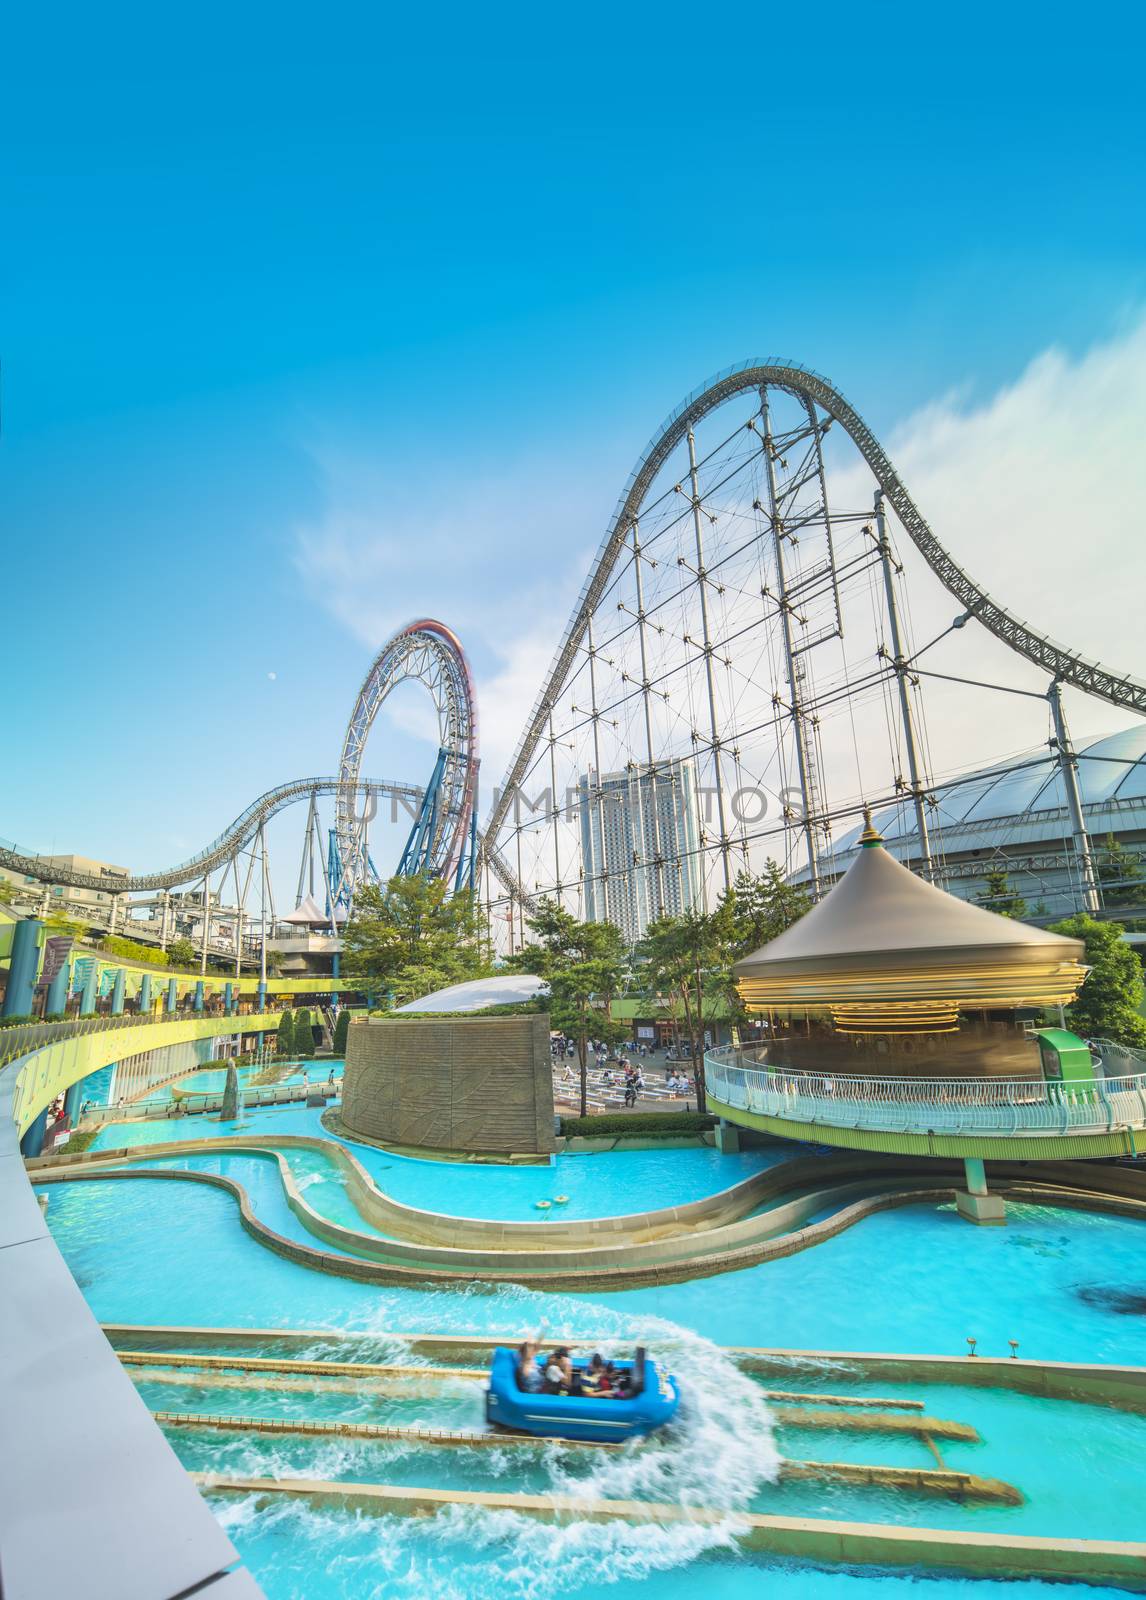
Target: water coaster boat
[[652, 1402]]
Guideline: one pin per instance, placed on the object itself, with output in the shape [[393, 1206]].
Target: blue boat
[[653, 1402]]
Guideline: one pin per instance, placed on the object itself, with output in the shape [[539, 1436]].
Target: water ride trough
[[652, 1403]]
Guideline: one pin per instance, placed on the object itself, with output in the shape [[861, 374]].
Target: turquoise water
[[303, 1555], [918, 1279], [213, 1080], [1023, 1441], [600, 1185]]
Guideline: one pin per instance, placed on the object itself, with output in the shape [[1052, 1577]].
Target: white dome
[[512, 988]]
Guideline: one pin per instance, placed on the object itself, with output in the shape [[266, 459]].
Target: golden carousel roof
[[884, 935]]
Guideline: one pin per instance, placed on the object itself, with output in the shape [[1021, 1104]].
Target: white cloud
[[496, 556], [1039, 492]]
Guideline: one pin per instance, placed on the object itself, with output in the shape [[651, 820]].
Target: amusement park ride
[[742, 643]]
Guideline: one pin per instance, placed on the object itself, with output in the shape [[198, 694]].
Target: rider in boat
[[529, 1375]]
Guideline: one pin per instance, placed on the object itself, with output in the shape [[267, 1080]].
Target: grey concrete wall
[[93, 1501], [457, 1083]]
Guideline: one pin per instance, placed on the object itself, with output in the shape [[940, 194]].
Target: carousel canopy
[[885, 949]]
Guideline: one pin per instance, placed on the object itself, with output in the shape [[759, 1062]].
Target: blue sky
[[313, 321]]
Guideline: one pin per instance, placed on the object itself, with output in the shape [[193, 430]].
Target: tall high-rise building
[[640, 844]]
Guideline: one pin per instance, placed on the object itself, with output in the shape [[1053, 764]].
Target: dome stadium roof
[[1023, 800]]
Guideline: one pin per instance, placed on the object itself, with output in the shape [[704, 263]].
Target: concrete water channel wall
[[719, 1233], [815, 1539]]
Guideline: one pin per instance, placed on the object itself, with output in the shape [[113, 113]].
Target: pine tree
[[285, 1045], [998, 896], [341, 1029], [303, 1033]]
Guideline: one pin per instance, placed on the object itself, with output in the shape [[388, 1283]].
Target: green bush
[[284, 1047], [645, 1123], [18, 1021], [341, 1029], [303, 1033], [82, 1140], [131, 950]]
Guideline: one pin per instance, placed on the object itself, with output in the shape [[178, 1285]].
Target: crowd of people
[[624, 1069]]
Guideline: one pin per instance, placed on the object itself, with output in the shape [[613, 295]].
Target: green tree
[[1108, 1004], [7, 892], [303, 1033], [586, 967], [181, 953], [341, 1029], [412, 937], [1120, 874], [284, 1045], [998, 896], [761, 907], [688, 957]]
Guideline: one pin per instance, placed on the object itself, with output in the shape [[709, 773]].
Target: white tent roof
[[308, 915]]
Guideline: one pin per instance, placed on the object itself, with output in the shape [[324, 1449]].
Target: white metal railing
[[744, 1080]]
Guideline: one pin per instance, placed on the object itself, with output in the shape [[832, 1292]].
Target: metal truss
[[1062, 663], [658, 712]]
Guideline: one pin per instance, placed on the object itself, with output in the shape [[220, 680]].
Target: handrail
[[743, 1079], [28, 1037]]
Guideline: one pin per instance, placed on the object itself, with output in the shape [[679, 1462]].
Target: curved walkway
[[991, 1119]]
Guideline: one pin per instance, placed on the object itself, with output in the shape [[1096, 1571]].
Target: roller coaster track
[[1059, 662], [220, 850], [223, 849]]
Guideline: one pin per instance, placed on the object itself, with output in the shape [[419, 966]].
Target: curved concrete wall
[[472, 1084]]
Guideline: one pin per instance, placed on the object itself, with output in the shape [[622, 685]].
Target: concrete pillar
[[23, 965], [727, 1138], [91, 985], [229, 999], [262, 997], [117, 994], [172, 997], [199, 994], [975, 1203], [73, 1100], [57, 1001], [145, 995], [976, 1175], [32, 1144]]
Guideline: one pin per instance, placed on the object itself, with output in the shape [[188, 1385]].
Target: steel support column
[[798, 729], [902, 675], [1068, 766], [658, 899], [702, 584]]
